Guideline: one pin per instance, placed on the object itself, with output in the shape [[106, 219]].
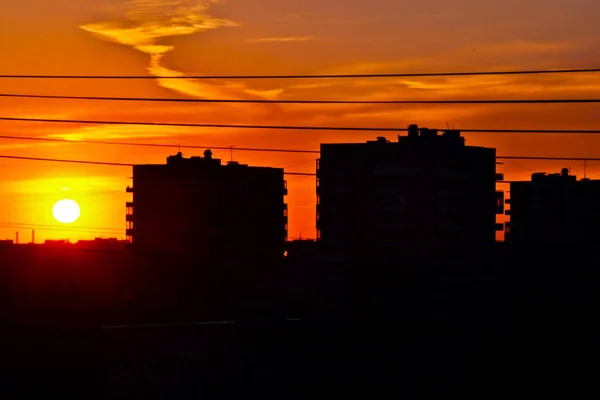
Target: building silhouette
[[196, 207], [102, 244], [554, 208], [422, 195]]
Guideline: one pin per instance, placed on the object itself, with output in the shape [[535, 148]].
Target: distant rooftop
[[419, 136], [563, 176], [204, 161]]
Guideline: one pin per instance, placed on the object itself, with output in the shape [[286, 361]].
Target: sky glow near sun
[[251, 37]]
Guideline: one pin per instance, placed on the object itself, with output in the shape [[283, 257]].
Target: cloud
[[282, 39], [145, 23], [26, 145], [122, 132], [112, 132], [525, 47], [52, 185]]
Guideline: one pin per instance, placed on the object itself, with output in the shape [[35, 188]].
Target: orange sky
[[167, 37]]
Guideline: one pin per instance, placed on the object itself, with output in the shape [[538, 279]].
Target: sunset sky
[[251, 37]]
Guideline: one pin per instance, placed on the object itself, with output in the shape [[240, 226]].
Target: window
[[389, 200], [499, 202]]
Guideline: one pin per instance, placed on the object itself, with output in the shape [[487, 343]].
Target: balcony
[[129, 189], [129, 217], [499, 177], [129, 204], [129, 232]]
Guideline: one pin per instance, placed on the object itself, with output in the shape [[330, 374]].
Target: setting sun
[[66, 211]]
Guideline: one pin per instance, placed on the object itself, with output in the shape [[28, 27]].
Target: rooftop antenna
[[231, 151], [448, 125]]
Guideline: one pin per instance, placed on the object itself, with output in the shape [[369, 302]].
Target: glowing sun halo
[[66, 211]]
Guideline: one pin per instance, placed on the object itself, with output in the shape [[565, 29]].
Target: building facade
[[425, 191], [215, 213], [554, 208]]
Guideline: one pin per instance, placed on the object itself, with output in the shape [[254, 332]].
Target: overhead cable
[[305, 76]]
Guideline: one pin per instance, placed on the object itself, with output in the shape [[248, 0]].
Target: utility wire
[[288, 127], [103, 142], [67, 161], [257, 149], [549, 158], [113, 164], [285, 173], [327, 76], [53, 227], [263, 101]]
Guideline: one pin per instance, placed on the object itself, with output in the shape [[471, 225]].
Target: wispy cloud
[[144, 24], [53, 185], [26, 145], [525, 47], [112, 132], [282, 39]]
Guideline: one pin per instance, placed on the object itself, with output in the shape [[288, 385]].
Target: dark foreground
[[299, 359], [501, 330]]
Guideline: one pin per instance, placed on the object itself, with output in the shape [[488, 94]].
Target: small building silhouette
[[57, 243], [212, 212], [554, 208], [424, 193], [101, 244]]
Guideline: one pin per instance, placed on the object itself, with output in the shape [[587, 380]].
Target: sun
[[66, 211]]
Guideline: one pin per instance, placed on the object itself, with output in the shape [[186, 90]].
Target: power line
[[67, 161], [288, 127], [326, 76], [5, 204], [112, 164], [103, 142], [58, 228], [285, 173], [263, 101], [300, 173], [549, 158], [257, 148]]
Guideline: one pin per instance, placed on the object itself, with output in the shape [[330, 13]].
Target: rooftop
[[417, 136]]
